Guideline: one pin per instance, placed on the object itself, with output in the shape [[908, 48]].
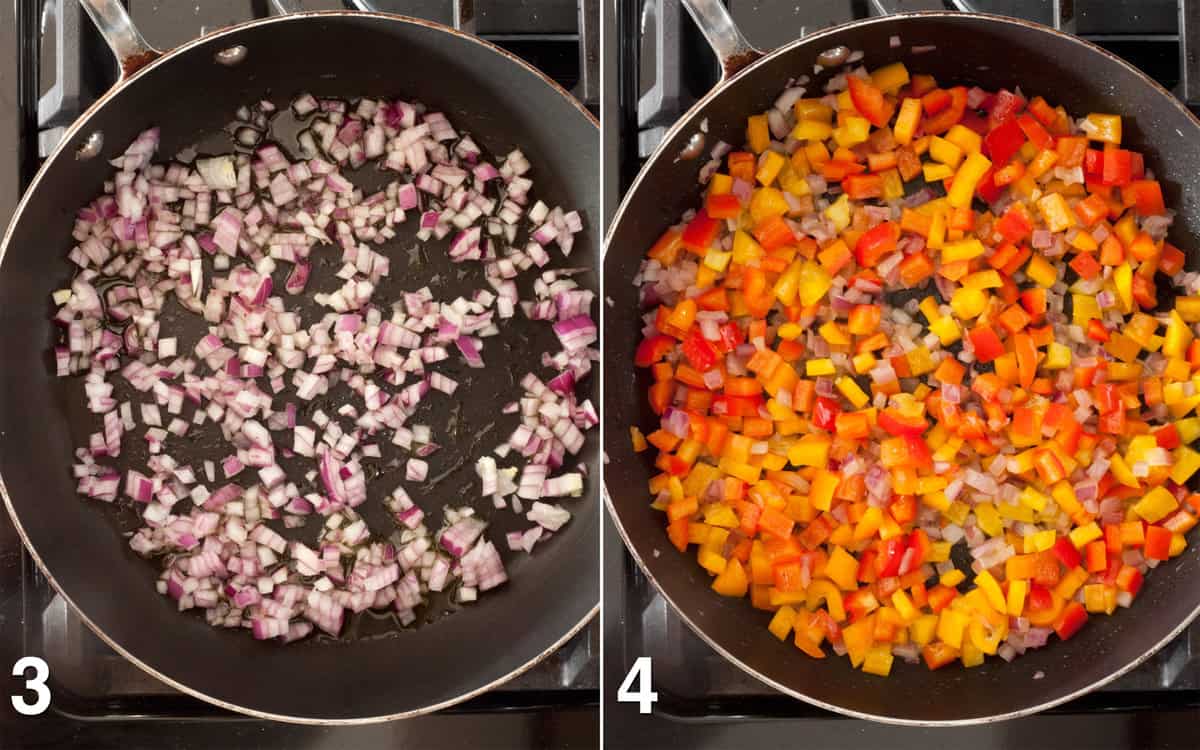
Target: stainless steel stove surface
[[703, 700], [54, 66]]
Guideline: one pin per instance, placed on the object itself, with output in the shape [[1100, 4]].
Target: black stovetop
[[52, 65], [704, 701]]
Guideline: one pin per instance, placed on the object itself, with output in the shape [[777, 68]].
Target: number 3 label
[[643, 696], [35, 684]]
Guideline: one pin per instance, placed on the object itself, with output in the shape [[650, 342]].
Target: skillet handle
[[723, 35], [462, 13], [133, 52]]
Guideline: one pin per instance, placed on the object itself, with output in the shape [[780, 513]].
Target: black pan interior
[[504, 104], [992, 52]]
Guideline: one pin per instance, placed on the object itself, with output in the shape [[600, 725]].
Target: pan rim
[[721, 87], [27, 195]]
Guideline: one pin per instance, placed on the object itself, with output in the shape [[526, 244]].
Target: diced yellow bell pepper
[[988, 519], [810, 450], [812, 109], [920, 362], [1084, 308], [821, 491], [814, 283], [717, 260], [1177, 337], [934, 172], [946, 329], [1186, 462], [922, 630], [878, 660], [945, 152], [951, 626], [1106, 128], [952, 577], [852, 391], [812, 130], [842, 569], [746, 249], [1015, 600], [937, 230], [906, 121], [819, 367], [834, 333], [890, 77], [1081, 535], [893, 186], [1041, 272], [967, 249], [712, 561], [1123, 281], [1058, 356], [1188, 308], [1155, 505], [732, 581], [1121, 471], [720, 514], [839, 212], [766, 203], [720, 184], [853, 131], [758, 133], [968, 303], [966, 179], [991, 589], [781, 623], [1056, 213], [904, 606], [985, 279], [769, 167], [965, 138]]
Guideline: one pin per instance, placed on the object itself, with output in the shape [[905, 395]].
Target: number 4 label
[[643, 695], [35, 684]]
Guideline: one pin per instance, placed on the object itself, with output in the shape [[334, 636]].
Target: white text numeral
[[643, 695], [35, 684]]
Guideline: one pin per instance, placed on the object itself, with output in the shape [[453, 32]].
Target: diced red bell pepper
[[699, 351], [1004, 108], [701, 231], [1015, 224], [825, 412], [773, 233], [876, 243], [1039, 598], [1066, 553], [1071, 620], [1093, 166], [1130, 579], [723, 206], [938, 655], [935, 101], [653, 349], [1004, 141], [987, 189], [1096, 330], [862, 186], [869, 101], [986, 343], [895, 422], [918, 452], [888, 562], [1087, 267], [1034, 131], [1117, 167], [1167, 437], [732, 337], [1147, 197], [1158, 543], [948, 115], [1096, 556]]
